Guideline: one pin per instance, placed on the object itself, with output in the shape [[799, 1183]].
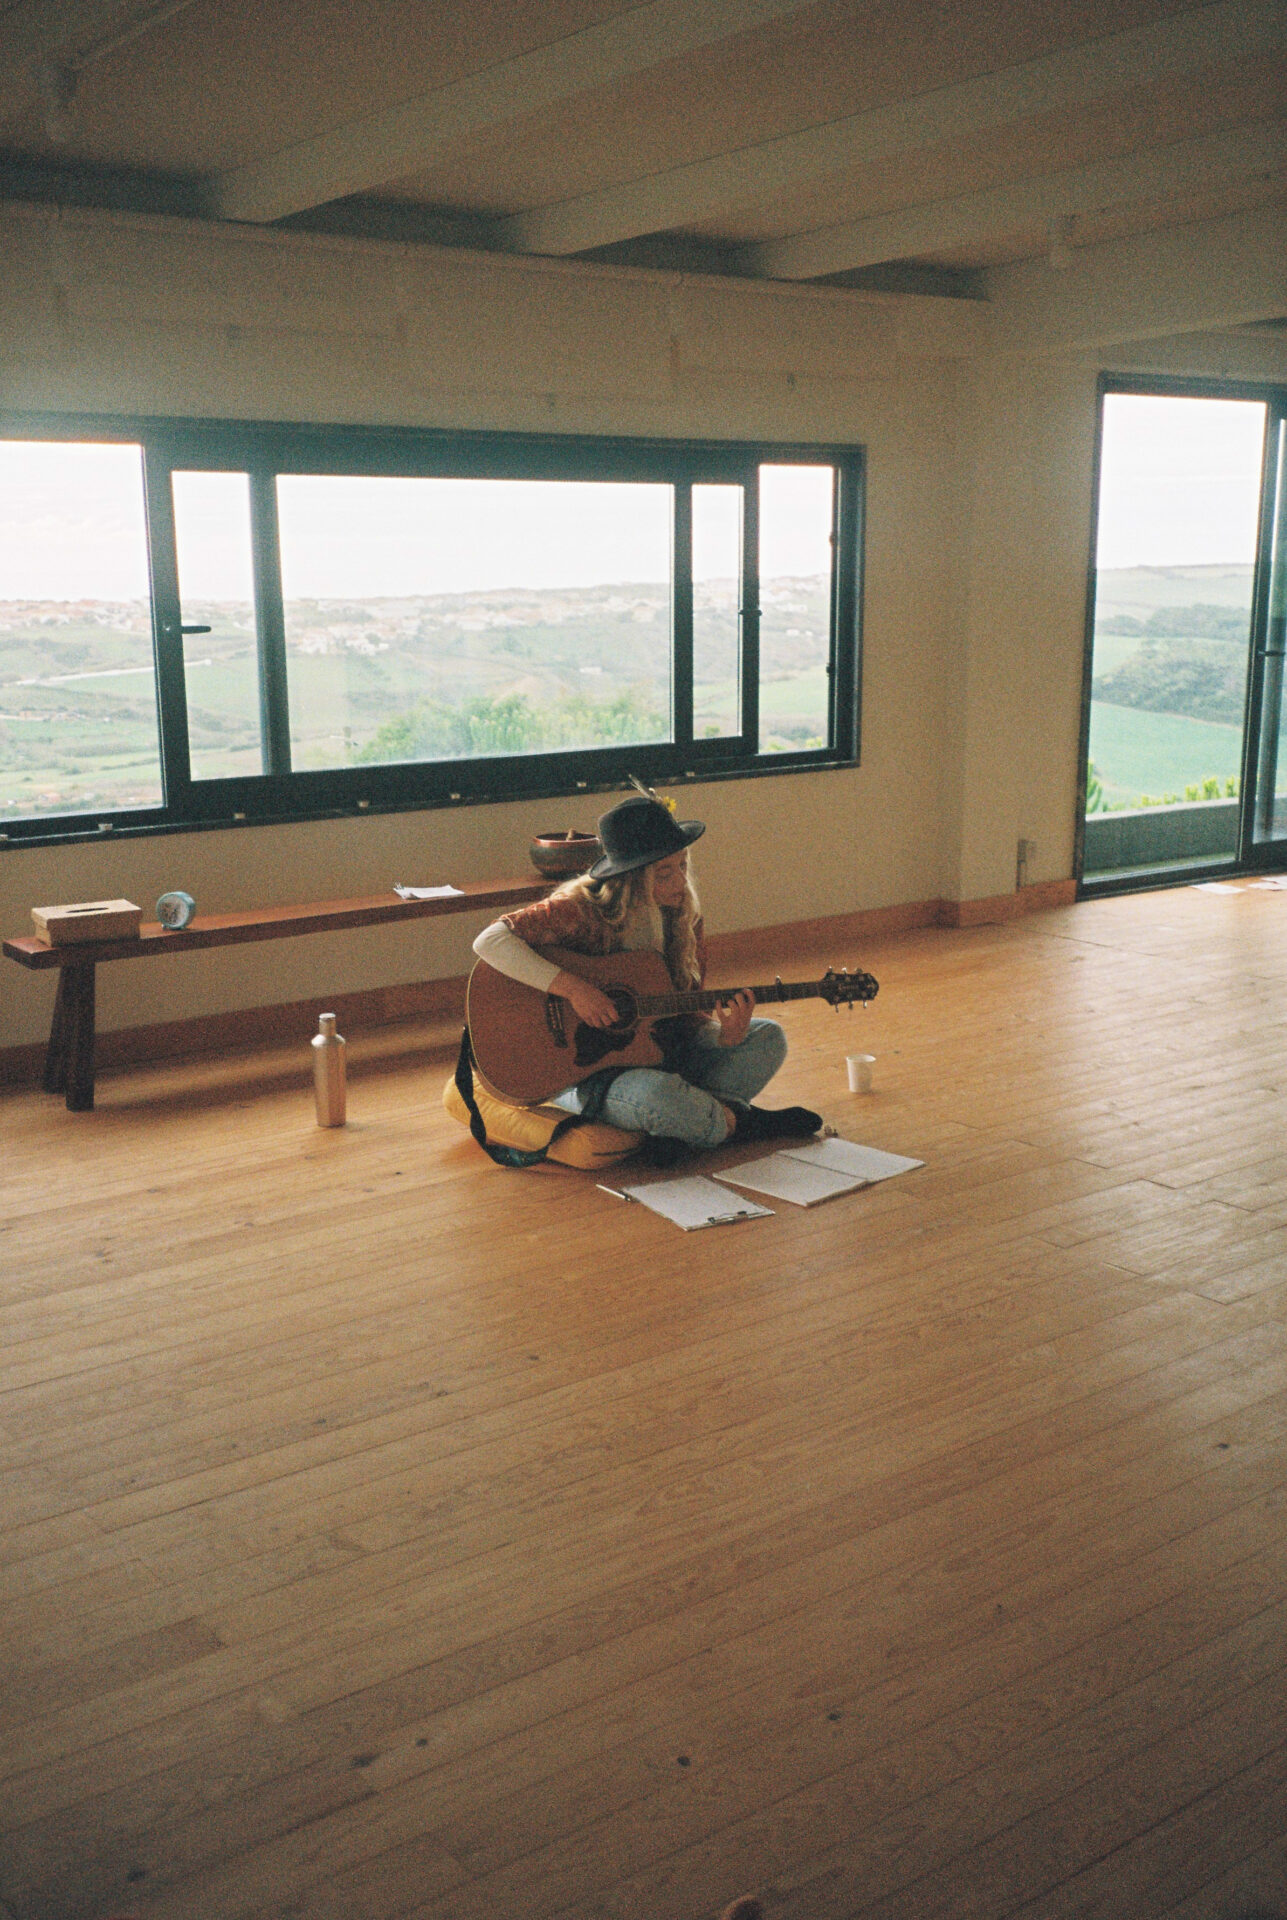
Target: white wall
[[1030, 432], [977, 536]]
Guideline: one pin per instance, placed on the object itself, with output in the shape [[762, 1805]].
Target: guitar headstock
[[841, 988]]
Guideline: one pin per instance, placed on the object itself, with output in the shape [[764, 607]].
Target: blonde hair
[[625, 904]]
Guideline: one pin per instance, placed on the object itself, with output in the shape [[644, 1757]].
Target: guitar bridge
[[554, 1005]]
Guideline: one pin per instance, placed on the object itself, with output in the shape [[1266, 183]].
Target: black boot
[[773, 1123], [663, 1150]]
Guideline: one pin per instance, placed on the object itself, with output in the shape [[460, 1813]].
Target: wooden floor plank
[[410, 1538], [918, 1858], [504, 1830], [1255, 1888], [1241, 1823]]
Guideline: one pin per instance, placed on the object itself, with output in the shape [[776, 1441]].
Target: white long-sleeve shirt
[[508, 954], [501, 948]]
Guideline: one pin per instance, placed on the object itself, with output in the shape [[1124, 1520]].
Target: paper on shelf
[[427, 893], [695, 1202]]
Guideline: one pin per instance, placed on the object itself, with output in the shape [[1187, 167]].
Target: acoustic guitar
[[529, 1045]]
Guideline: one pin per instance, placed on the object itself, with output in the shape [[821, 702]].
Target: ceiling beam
[[395, 141], [974, 219], [703, 190], [1209, 275], [72, 32]]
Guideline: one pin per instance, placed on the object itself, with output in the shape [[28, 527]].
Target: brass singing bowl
[[558, 856]]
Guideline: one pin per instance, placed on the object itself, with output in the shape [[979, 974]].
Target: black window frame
[[1250, 855], [265, 449]]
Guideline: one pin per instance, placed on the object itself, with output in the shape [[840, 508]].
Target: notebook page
[[846, 1156], [783, 1177]]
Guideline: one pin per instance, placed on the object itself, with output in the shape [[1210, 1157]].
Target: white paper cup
[[858, 1066]]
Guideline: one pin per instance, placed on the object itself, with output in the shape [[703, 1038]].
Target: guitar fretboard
[[660, 1005]]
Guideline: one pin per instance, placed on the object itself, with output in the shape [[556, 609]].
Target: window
[[216, 589], [1174, 590], [203, 623], [1185, 695], [78, 712], [433, 619]]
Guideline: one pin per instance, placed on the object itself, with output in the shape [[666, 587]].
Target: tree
[[487, 726]]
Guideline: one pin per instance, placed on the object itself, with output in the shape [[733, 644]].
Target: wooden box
[[87, 920]]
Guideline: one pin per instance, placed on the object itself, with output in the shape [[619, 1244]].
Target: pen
[[616, 1192]]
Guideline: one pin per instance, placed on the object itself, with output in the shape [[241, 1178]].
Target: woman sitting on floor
[[641, 894]]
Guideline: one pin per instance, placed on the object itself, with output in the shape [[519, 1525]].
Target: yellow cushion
[[591, 1145]]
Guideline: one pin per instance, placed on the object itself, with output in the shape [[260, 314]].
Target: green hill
[[388, 679]]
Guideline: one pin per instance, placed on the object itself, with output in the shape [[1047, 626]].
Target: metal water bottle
[[328, 1073]]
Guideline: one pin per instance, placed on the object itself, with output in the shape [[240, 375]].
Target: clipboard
[[692, 1202]]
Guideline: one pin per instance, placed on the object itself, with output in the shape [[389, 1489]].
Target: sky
[[1179, 482], [342, 536], [72, 527], [1179, 487], [71, 522]]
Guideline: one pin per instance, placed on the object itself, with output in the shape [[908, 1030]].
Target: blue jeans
[[687, 1104]]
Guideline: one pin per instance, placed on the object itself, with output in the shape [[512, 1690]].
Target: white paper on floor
[[806, 1175]]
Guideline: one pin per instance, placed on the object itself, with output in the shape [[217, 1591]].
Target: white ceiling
[[886, 142]]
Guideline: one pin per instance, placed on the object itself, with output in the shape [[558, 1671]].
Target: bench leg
[[69, 1062]]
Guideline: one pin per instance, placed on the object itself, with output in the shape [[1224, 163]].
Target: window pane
[[78, 721], [717, 600], [431, 619], [216, 589], [796, 519], [1269, 821], [1179, 509]]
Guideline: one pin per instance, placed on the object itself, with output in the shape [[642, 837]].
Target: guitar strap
[[522, 1156]]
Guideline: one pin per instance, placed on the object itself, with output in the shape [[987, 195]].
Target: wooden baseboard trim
[[839, 932], [294, 1021], [1007, 906], [839, 935]]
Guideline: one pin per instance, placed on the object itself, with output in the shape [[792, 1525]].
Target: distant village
[[77, 711]]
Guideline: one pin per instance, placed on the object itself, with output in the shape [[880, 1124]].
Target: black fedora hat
[[637, 833]]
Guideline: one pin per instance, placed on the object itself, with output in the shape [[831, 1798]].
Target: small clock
[[174, 910]]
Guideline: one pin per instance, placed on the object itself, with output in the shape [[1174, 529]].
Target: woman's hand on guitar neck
[[589, 1005], [734, 1016]]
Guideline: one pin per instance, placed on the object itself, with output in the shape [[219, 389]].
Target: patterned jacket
[[571, 921]]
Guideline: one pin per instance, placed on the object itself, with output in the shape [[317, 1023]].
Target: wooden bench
[[69, 1061]]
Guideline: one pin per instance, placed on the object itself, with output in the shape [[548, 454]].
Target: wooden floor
[[388, 1535]]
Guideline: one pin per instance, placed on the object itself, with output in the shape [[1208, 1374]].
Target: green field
[[1137, 753], [379, 682], [78, 727]]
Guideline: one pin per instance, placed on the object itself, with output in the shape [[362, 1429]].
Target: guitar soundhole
[[596, 1043]]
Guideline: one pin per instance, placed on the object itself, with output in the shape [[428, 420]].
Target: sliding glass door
[[1187, 688], [1266, 821]]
